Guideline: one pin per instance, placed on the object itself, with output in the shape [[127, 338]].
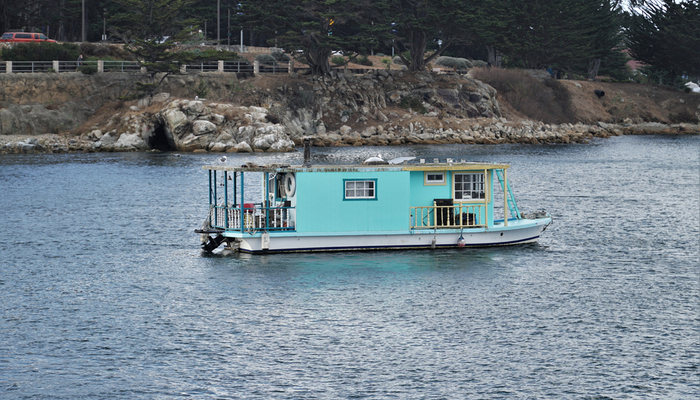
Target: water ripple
[[106, 295]]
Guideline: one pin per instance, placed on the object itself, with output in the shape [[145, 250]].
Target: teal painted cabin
[[340, 207]]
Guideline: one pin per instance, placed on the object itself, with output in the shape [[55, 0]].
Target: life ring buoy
[[290, 184]]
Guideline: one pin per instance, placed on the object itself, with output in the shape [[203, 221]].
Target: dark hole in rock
[[160, 140]]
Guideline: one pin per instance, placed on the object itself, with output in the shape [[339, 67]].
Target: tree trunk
[[61, 31], [593, 68], [317, 58], [492, 58], [418, 43]]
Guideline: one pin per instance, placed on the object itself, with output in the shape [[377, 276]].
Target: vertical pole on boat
[[242, 201], [505, 197], [487, 197], [209, 197], [235, 180], [226, 198], [216, 199], [267, 199]]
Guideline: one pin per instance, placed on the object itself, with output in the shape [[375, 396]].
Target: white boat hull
[[519, 232]]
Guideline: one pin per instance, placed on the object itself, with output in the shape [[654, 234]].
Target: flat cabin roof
[[460, 166]]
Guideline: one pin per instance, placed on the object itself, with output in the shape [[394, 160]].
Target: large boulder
[[203, 127], [130, 141], [175, 121]]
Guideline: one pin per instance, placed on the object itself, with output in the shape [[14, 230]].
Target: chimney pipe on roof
[[307, 152]]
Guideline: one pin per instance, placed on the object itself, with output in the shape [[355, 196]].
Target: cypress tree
[[666, 36]]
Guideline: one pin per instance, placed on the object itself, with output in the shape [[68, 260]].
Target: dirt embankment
[[535, 96]]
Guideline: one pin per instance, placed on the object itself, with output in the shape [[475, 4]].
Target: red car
[[23, 37]]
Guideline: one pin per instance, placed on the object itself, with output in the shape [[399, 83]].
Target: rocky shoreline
[[275, 114], [269, 139]]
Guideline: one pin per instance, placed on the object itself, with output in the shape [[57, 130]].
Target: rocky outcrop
[[192, 125], [276, 113], [329, 102], [40, 103], [271, 137]]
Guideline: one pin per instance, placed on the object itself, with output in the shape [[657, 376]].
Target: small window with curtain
[[361, 189], [469, 186]]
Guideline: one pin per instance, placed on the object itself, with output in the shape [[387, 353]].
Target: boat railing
[[256, 217], [453, 217]]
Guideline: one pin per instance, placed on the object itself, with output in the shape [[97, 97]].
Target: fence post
[[290, 66], [8, 67], [100, 66], [183, 68], [221, 66], [55, 66], [256, 67]]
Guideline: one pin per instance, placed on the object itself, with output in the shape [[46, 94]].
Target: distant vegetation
[[575, 37], [41, 52]]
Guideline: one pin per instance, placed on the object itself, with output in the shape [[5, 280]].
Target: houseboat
[[403, 204]]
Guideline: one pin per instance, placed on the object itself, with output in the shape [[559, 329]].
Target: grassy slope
[[528, 95]]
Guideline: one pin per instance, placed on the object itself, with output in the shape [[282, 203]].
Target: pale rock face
[[255, 109], [225, 137], [256, 117], [193, 108], [264, 142], [202, 127], [282, 145], [218, 147], [106, 140], [174, 119], [129, 141], [160, 98], [243, 147]]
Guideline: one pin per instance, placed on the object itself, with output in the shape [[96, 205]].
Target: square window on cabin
[[364, 190], [469, 186], [434, 178]]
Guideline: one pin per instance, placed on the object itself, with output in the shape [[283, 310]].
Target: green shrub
[[202, 89], [95, 50], [41, 52], [414, 103], [454, 62], [364, 60], [88, 69], [265, 59], [387, 63], [279, 56], [338, 60]]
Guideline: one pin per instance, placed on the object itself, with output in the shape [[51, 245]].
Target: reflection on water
[[106, 293]]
